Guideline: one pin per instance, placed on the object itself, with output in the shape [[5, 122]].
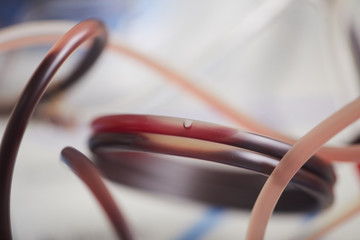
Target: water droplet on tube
[[187, 124]]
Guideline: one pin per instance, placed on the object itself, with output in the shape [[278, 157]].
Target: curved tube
[[34, 90], [347, 153], [330, 154], [132, 149], [88, 173], [308, 145]]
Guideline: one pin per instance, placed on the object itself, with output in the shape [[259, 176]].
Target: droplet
[[187, 124]]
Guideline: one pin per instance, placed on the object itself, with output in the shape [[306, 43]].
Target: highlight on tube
[[188, 134]]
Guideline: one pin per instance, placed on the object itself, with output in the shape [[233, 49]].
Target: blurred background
[[286, 63]]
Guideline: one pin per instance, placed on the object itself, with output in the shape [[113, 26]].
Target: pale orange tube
[[346, 154], [302, 150], [336, 222]]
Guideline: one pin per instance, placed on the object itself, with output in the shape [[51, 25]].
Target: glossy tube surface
[[34, 90], [88, 173], [132, 149]]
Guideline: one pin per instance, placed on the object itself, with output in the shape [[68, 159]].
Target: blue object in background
[[111, 12], [9, 10], [210, 219]]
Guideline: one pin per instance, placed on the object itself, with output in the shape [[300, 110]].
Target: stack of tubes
[[284, 174]]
